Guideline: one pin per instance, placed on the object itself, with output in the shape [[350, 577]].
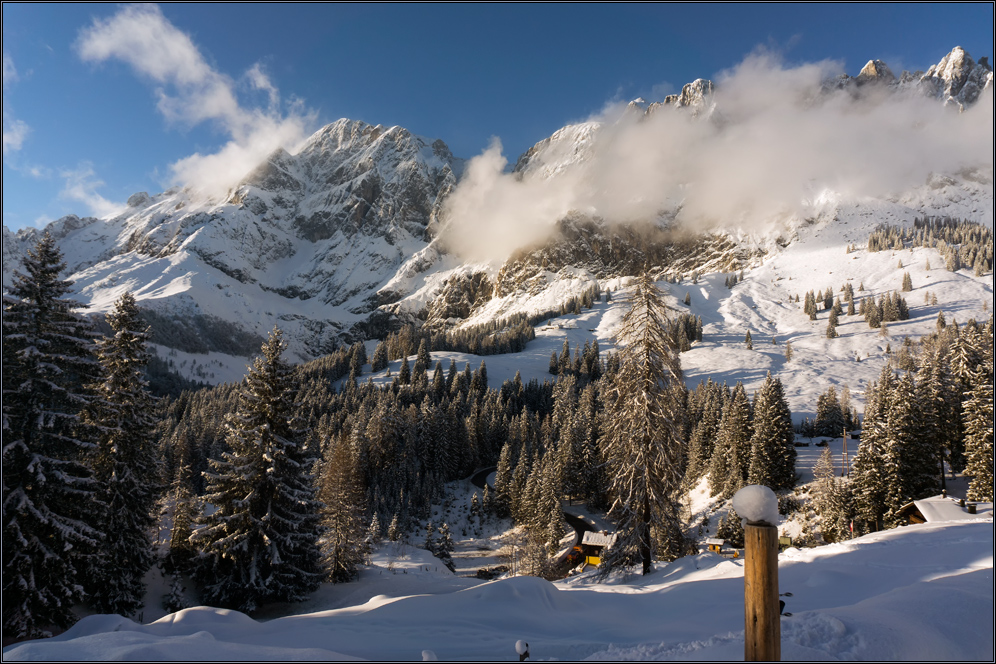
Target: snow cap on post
[[429, 656], [758, 504], [522, 648]]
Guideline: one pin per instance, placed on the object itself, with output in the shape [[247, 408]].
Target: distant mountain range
[[346, 238]]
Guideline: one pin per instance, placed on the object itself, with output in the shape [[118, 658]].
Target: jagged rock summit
[[957, 79], [875, 71]]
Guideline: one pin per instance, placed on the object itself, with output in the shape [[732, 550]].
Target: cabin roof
[[598, 539], [943, 508]]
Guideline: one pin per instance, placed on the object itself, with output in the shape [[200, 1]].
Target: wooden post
[[762, 620]]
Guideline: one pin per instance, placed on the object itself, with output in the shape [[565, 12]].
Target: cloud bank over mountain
[[758, 147]]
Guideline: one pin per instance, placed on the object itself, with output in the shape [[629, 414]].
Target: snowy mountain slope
[[346, 236], [305, 241], [902, 594]]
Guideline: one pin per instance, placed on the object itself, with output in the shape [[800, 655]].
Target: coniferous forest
[[269, 487]]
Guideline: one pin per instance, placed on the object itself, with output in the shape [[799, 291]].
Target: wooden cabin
[[592, 545], [715, 544]]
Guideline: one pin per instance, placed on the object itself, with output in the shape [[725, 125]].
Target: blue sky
[[92, 113]]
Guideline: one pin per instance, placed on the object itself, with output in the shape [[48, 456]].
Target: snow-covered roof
[[598, 539], [941, 508], [715, 540]]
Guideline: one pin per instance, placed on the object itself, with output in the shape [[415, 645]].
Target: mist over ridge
[[758, 147]]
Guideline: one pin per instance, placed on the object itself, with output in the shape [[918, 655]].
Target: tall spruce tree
[[342, 498], [49, 496], [261, 543], [868, 474], [829, 416], [832, 500], [733, 443], [910, 457], [772, 462], [977, 414], [125, 462], [641, 438]]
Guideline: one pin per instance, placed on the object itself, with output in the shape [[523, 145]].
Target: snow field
[[915, 593]]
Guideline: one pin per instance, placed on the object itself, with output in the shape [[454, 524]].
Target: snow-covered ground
[[921, 593], [916, 593]]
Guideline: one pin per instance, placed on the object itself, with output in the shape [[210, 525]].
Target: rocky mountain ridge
[[342, 240]]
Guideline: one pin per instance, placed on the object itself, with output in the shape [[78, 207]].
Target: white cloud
[[190, 92], [772, 143], [82, 184], [14, 130]]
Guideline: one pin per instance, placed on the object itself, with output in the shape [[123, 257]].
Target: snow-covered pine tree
[[594, 481], [731, 453], [374, 534], [380, 360], [564, 362], [939, 405], [342, 513], [788, 351], [832, 325], [405, 372], [911, 466], [977, 414], [832, 500], [423, 360], [772, 462], [548, 506], [50, 508], [503, 481], [829, 416], [430, 542], [125, 462], [641, 439], [749, 341], [868, 472], [517, 487], [394, 529], [261, 543], [444, 547], [731, 529]]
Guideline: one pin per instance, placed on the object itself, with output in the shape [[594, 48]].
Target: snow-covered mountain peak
[[957, 78], [566, 146], [331, 239]]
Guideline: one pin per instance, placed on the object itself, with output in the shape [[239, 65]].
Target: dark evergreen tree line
[[930, 417], [80, 474], [961, 243]]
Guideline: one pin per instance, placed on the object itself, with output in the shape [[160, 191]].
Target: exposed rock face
[[957, 79], [330, 224], [139, 200], [875, 71]]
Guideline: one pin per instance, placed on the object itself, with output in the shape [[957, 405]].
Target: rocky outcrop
[[957, 79], [877, 72]]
